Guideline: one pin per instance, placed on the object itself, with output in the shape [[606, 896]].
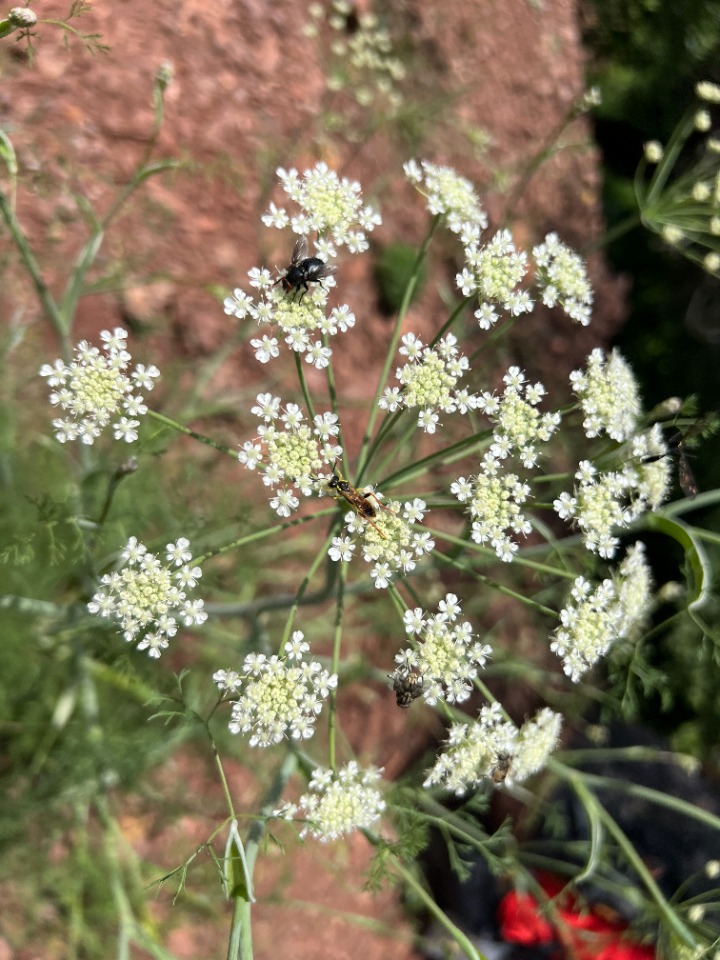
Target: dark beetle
[[304, 270]]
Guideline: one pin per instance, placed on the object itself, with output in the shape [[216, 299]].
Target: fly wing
[[328, 270], [299, 251]]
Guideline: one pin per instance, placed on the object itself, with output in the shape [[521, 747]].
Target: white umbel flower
[[148, 598], [97, 389], [338, 803]]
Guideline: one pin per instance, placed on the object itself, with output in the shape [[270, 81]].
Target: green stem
[[455, 932], [240, 941], [578, 783], [365, 452], [259, 535], [322, 552], [617, 230], [303, 384], [644, 793], [180, 428], [31, 265], [337, 645], [330, 376], [489, 552]]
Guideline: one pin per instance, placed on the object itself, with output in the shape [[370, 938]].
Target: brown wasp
[[407, 686], [304, 270], [360, 502]]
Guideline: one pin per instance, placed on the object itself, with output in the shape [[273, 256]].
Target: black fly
[[304, 270]]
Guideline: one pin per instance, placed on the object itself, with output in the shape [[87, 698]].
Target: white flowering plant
[[677, 185], [466, 489]]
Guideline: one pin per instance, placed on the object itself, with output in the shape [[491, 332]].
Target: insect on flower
[[501, 769], [678, 445], [407, 686], [360, 502], [304, 270]]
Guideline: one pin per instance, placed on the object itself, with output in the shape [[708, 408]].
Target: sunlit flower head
[[634, 589], [492, 749], [652, 466], [562, 277], [493, 272], [537, 740], [300, 316], [609, 395], [388, 538], [428, 381], [519, 425], [288, 451], [97, 388], [494, 501], [338, 803], [602, 503], [446, 654], [21, 17], [329, 204], [148, 598], [278, 697], [473, 751], [448, 194], [589, 625], [594, 619]]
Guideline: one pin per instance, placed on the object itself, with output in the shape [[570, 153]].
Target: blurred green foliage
[[394, 265]]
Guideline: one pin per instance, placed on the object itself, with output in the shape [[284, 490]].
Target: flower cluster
[[364, 63], [633, 586], [450, 196], [279, 697], [389, 541], [651, 466], [339, 802], [331, 205], [681, 198], [595, 619], [537, 739], [493, 272], [446, 655], [96, 388], [493, 748], [518, 424], [562, 277], [473, 751], [147, 597], [609, 395], [290, 454], [428, 381], [300, 319], [495, 504], [603, 502]]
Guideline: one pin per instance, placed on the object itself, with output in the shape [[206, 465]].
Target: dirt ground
[[249, 95]]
